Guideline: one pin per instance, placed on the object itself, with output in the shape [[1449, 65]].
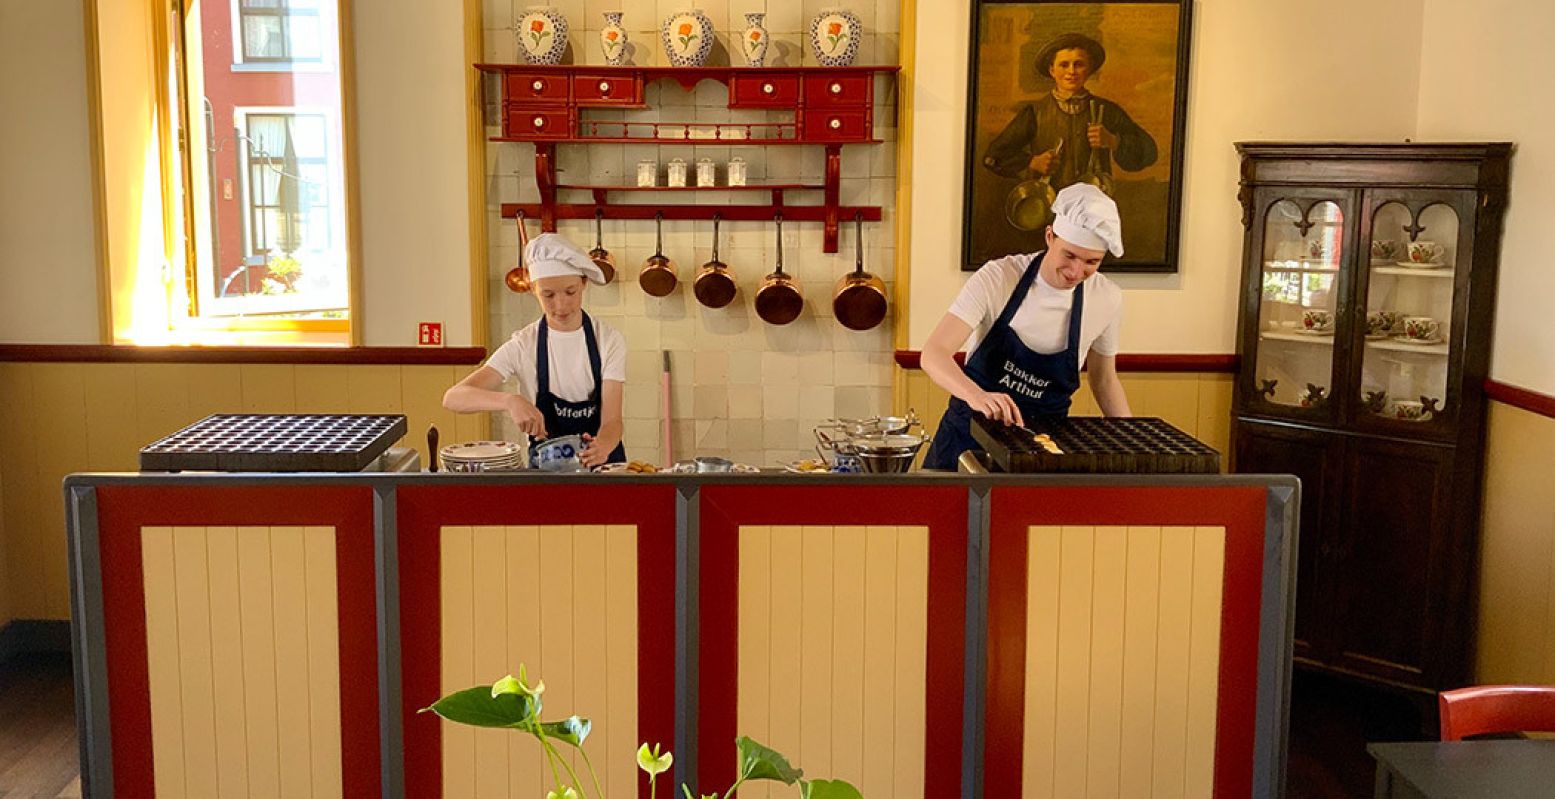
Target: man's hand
[[1042, 163], [1100, 137], [526, 416], [997, 406]]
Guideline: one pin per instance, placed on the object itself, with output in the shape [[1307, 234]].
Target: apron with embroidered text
[[563, 418]]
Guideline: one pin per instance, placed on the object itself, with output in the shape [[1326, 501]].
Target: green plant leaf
[[573, 729], [758, 762], [478, 708], [828, 789]]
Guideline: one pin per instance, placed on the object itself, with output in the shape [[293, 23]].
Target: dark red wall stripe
[[123, 511], [1531, 401], [725, 508], [425, 509], [1014, 510]]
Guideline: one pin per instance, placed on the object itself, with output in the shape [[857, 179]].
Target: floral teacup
[[1385, 250], [1317, 321], [1421, 328], [1408, 410], [1425, 252]]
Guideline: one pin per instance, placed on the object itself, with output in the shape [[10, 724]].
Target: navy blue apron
[[1041, 385], [563, 418]]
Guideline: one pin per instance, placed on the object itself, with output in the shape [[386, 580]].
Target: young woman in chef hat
[[570, 368], [1032, 319]]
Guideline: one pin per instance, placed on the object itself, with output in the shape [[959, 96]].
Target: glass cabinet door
[[1301, 255], [1417, 251]]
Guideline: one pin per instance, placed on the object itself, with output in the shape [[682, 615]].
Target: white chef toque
[[1086, 217], [552, 255]]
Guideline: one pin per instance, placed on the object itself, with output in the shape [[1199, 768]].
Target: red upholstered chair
[[1482, 709]]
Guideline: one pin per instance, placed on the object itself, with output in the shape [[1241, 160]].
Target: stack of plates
[[482, 456]]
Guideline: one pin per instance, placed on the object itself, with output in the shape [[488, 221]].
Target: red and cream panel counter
[[917, 635]]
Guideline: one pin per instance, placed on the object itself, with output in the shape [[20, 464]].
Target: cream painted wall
[[1324, 69], [48, 254], [411, 159], [1486, 97]]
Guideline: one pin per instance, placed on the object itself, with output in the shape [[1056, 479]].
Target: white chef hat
[[552, 255], [1086, 217]]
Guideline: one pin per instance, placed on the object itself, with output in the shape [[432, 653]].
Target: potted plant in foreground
[[512, 703]]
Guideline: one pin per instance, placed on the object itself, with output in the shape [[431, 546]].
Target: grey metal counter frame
[[94, 681]]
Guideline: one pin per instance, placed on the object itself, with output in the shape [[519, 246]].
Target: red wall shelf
[[543, 105]]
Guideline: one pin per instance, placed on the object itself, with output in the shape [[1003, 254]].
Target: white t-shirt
[[1042, 320], [571, 379]]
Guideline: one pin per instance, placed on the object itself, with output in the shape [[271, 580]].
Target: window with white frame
[[280, 31]]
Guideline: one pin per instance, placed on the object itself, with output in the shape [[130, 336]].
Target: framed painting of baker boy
[[1068, 92]]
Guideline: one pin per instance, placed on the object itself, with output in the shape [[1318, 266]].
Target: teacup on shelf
[[1316, 320], [1386, 250], [1425, 252], [1408, 410], [1421, 328]]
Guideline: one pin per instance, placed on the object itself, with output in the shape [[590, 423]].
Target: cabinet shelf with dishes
[[830, 106], [1384, 421]]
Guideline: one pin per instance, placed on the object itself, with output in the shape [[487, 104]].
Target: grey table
[[1465, 769]]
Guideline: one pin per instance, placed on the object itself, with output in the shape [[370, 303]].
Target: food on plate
[[810, 465], [641, 467]]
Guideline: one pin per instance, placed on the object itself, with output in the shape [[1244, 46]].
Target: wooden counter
[[918, 635]]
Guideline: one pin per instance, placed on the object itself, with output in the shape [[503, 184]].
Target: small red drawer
[[764, 91], [839, 90], [528, 122], [822, 125], [606, 90], [536, 86]]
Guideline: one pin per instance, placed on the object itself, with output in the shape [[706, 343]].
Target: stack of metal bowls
[[481, 456], [886, 453]]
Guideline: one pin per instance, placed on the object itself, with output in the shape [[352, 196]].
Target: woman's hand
[[593, 455], [1100, 137], [997, 406], [526, 416]]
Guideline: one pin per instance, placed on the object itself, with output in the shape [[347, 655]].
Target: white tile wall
[[741, 388]]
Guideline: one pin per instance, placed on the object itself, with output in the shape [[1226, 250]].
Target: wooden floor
[[38, 755], [1331, 722]]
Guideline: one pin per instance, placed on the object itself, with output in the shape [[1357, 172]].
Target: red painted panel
[[724, 509], [830, 125], [764, 91], [838, 90], [123, 511], [1240, 510], [425, 509]]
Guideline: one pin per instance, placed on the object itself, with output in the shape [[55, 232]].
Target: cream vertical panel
[[912, 647], [526, 768], [621, 633], [815, 644], [221, 545], [321, 389], [591, 697], [261, 726], [847, 655], [880, 643], [1108, 600], [1042, 592], [59, 406], [458, 648], [192, 585], [1172, 649], [754, 633], [288, 558], [1215, 413], [1209, 558], [162, 660], [374, 389], [784, 690], [269, 388], [1071, 710], [111, 438], [557, 643], [489, 652], [422, 390], [1142, 597], [323, 626], [22, 494]]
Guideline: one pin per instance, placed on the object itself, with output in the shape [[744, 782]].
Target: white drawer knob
[[768, 88], [604, 87], [539, 122], [836, 88], [538, 85], [836, 124]]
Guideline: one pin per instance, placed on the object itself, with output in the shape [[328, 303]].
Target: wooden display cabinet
[[1368, 290], [832, 106]]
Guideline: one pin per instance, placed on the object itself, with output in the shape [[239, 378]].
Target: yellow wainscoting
[[1197, 403], [59, 418], [562, 600], [1122, 660], [832, 648], [242, 645]]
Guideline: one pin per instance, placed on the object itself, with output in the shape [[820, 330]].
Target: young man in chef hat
[[1029, 321], [570, 368]]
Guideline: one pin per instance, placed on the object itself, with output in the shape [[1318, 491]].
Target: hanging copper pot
[[658, 273], [714, 286], [859, 302], [779, 300], [599, 255], [517, 278]]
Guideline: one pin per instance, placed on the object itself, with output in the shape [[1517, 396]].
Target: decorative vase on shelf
[[688, 38], [542, 35], [612, 38], [834, 37], [754, 40]]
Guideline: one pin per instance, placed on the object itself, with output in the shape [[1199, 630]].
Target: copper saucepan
[[517, 278], [859, 302], [658, 273], [779, 300], [1029, 205], [714, 286], [599, 255]]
